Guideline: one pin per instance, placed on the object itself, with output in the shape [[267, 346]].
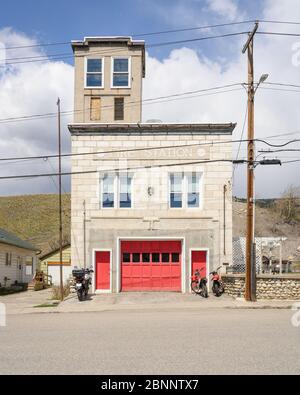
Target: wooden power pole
[[60, 204], [250, 264]]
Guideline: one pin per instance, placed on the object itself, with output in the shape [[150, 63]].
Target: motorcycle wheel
[[204, 291], [80, 294], [195, 287]]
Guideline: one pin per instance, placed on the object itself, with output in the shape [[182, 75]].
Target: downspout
[[224, 218]]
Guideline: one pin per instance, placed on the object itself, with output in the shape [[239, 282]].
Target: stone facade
[[151, 216], [268, 286]]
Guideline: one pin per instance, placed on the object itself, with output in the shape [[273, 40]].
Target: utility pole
[[60, 204], [249, 295], [84, 235]]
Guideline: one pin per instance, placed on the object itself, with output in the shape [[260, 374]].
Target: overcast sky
[[33, 87]]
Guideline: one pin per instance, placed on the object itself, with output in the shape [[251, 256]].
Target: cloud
[[30, 89], [225, 8], [276, 111], [33, 88]]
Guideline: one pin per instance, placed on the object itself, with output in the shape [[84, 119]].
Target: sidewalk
[[136, 301]]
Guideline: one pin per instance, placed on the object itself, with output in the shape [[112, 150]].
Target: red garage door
[[151, 265]]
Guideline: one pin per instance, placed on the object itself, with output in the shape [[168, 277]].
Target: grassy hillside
[[35, 218]]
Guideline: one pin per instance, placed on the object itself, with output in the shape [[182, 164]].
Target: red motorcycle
[[217, 284], [199, 284]]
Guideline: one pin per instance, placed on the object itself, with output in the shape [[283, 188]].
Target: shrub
[[38, 286], [56, 294]]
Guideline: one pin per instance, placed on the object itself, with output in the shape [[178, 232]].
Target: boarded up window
[[119, 108], [95, 109]]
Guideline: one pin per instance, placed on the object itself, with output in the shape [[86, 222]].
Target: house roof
[[53, 252], [157, 128], [11, 239]]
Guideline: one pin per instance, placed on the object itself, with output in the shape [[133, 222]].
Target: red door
[[103, 270], [151, 265], [199, 262]]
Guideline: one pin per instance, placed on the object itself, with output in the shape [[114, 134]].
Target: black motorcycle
[[82, 279]]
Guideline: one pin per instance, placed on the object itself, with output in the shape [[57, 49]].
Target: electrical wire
[[144, 101], [154, 45], [165, 32], [241, 138], [23, 176], [70, 112]]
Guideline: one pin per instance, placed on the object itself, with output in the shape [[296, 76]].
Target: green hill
[[35, 218]]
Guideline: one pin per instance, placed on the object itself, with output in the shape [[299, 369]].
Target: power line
[[154, 45], [281, 84], [165, 32], [211, 143], [69, 112], [291, 161], [46, 58], [143, 34], [241, 138], [279, 34], [23, 176]]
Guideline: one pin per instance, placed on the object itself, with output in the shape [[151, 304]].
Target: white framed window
[[94, 72], [185, 190], [120, 72], [116, 190], [29, 266]]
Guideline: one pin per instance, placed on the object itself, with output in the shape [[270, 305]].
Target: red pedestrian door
[[199, 262], [103, 263], [151, 265]]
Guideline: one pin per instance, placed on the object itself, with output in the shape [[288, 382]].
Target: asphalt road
[[151, 342]]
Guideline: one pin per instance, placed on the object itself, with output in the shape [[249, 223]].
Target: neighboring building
[[146, 228], [50, 264], [17, 259], [268, 254]]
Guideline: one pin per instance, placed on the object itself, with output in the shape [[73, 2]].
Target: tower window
[[119, 108], [94, 73], [120, 72]]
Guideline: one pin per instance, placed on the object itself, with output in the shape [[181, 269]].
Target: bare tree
[[287, 205]]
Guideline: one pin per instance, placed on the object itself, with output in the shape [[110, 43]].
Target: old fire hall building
[[149, 204]]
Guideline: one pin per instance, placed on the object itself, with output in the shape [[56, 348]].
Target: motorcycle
[[82, 279], [217, 284], [199, 284]]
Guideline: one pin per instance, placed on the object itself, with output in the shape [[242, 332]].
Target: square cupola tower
[[108, 79]]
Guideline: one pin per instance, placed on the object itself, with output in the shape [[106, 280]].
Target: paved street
[[151, 342]]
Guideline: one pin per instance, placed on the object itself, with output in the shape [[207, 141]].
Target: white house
[[17, 259]]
